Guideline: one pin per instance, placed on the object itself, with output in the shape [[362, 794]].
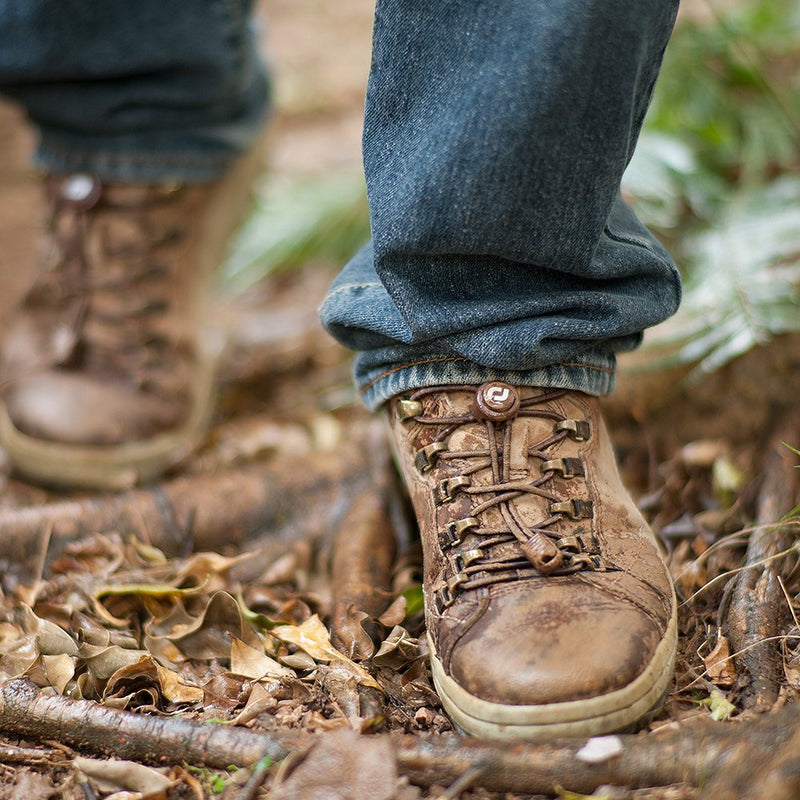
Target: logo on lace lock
[[496, 401], [498, 395]]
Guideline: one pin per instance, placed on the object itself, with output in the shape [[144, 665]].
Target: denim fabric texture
[[495, 139], [152, 90]]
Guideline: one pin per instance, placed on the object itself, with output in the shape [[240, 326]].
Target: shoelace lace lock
[[407, 409], [467, 558], [446, 596]]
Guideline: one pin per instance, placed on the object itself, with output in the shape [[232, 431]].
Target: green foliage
[[730, 89], [742, 280], [414, 600], [712, 176], [214, 781], [298, 221], [720, 707]]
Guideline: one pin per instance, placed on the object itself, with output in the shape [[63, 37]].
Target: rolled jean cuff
[[154, 158], [125, 167], [595, 378]]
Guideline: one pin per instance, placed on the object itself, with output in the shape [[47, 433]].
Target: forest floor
[[238, 594]]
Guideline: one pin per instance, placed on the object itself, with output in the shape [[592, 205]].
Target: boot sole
[[614, 711], [111, 467]]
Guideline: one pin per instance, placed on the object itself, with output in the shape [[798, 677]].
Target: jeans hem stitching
[[368, 386]]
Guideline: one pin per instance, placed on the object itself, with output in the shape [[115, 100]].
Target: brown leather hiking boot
[[106, 371], [549, 610]]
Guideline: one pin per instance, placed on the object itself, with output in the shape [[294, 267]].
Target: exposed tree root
[[284, 499], [361, 572], [755, 761], [757, 612]]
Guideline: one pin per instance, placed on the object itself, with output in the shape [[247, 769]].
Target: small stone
[[424, 718]]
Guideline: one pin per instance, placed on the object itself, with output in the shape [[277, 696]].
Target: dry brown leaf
[[99, 555], [225, 691], [90, 631], [395, 614], [209, 635], [106, 617], [284, 568], [693, 575], [87, 687], [791, 669], [299, 661], [209, 570], [348, 632], [397, 650], [112, 775], [51, 639], [175, 688], [147, 673], [312, 637], [103, 662], [164, 650], [261, 700], [342, 687], [254, 663], [59, 670], [719, 664], [19, 656], [250, 437], [8, 635]]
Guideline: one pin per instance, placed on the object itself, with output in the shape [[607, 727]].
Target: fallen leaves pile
[[256, 639], [119, 623]]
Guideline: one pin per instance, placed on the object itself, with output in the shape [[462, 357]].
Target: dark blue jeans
[[135, 90], [495, 139]]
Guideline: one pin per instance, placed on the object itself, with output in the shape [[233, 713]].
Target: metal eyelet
[[446, 596], [571, 543], [443, 599], [425, 459], [568, 467], [407, 409], [578, 430], [467, 558], [590, 560], [573, 508], [448, 488], [455, 529]]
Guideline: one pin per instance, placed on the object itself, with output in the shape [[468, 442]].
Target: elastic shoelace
[[126, 342], [540, 550]]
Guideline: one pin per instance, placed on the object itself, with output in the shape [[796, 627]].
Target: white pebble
[[599, 749]]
